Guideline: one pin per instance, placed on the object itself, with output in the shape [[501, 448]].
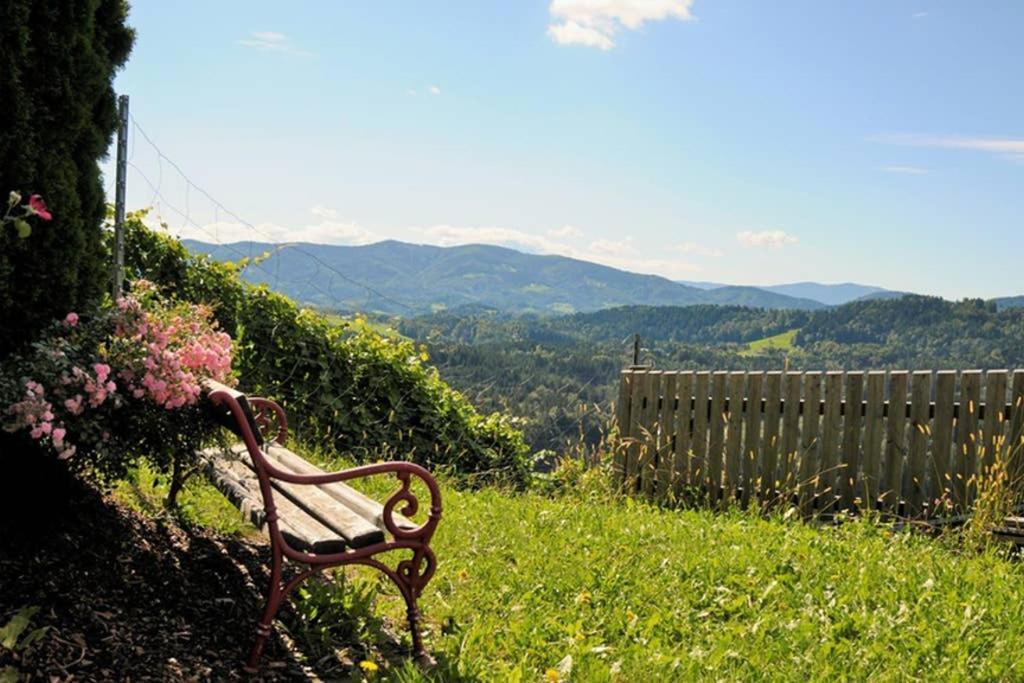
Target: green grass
[[528, 583], [783, 340]]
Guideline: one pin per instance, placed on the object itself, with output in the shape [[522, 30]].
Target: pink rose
[[71, 319], [38, 207]]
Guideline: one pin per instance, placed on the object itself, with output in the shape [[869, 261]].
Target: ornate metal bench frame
[[409, 575]]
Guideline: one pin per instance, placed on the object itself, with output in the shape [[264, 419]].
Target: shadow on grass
[[124, 595]]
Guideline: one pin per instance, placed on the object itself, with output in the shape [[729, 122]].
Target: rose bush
[[102, 391]]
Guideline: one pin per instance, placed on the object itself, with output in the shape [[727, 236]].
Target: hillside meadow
[[574, 583]]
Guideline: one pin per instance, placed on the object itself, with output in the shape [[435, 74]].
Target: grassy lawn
[[586, 587], [783, 340]]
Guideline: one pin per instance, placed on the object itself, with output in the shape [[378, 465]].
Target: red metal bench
[[312, 517]]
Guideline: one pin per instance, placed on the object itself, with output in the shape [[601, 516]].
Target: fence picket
[[920, 434], [734, 434], [849, 458], [790, 431], [874, 431], [716, 440], [967, 436], [941, 488], [667, 420], [891, 482], [830, 467], [995, 403], [1016, 436], [699, 442], [684, 422], [622, 423], [636, 416], [808, 458], [769, 469], [649, 450], [752, 436]]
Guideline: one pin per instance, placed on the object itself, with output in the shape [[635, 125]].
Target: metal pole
[[636, 350], [119, 194]]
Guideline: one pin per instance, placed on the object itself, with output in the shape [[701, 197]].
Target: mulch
[[127, 597]]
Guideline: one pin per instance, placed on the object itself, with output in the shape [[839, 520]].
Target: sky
[[738, 141]]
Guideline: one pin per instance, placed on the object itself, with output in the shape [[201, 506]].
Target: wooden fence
[[911, 444]]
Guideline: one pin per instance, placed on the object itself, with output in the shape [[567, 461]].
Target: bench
[[312, 517]]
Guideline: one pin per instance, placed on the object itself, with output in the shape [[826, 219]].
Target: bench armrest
[[403, 471]]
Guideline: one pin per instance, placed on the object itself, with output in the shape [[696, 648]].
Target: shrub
[[59, 112], [105, 390], [347, 388]]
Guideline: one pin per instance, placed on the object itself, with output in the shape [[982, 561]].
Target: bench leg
[[275, 594]]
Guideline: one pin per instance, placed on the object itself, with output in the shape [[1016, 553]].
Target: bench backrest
[[221, 412]]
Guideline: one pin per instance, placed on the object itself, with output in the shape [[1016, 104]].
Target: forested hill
[[560, 373], [407, 279]]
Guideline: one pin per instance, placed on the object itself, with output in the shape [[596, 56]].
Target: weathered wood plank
[[789, 474], [667, 435], [699, 441], [920, 435], [650, 432], [995, 402], [890, 485], [808, 461], [941, 487], [684, 422], [716, 440], [1016, 436], [849, 458], [355, 500], [768, 469], [751, 436], [301, 530], [874, 431], [734, 435], [830, 469], [636, 414], [967, 438], [622, 422]]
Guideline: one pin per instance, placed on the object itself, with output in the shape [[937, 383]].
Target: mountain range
[[399, 278]]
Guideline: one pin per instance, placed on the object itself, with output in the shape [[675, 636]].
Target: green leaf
[[23, 228]]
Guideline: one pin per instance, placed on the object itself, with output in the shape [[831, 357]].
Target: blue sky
[[741, 141]]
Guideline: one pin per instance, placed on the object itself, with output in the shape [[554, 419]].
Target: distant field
[[783, 340]]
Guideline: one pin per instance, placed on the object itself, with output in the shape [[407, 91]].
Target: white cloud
[[271, 41], [328, 230], [910, 170], [612, 247], [594, 23], [1007, 148], [919, 15], [565, 231], [765, 239], [698, 249], [435, 90], [411, 91], [571, 33]]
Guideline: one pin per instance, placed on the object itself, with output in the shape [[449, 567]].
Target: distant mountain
[[833, 295], [400, 278], [759, 297], [829, 295], [1005, 302]]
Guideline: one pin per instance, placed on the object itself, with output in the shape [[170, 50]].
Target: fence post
[[119, 195]]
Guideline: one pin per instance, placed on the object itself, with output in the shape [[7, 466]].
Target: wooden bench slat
[[351, 498], [300, 529]]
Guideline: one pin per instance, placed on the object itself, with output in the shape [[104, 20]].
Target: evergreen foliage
[[58, 115]]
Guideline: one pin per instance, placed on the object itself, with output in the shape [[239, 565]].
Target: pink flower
[[38, 207], [71, 319], [66, 453], [58, 436], [102, 371]]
